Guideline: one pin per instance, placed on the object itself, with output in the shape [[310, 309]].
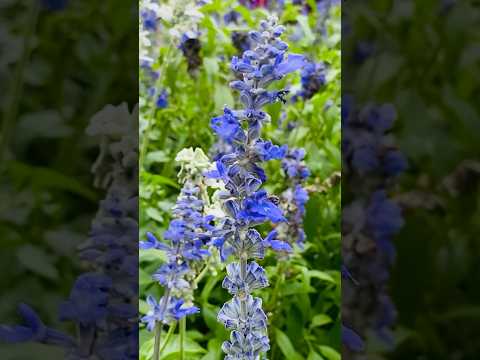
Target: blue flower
[[33, 330], [171, 275], [254, 279], [365, 159], [351, 339], [88, 300], [294, 166], [379, 119], [149, 19], [176, 231], [245, 346], [277, 245], [293, 63], [152, 243], [253, 321], [166, 313], [301, 197], [252, 246], [267, 151], [384, 217], [313, 79], [243, 200], [162, 100], [231, 17], [394, 163], [259, 208], [228, 127]]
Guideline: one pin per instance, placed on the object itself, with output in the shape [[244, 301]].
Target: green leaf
[[214, 350], [155, 179], [223, 96], [156, 157], [309, 37], [329, 353], [144, 277], [319, 275], [312, 355], [143, 306], [286, 346], [37, 260], [320, 320], [151, 255], [171, 352], [154, 214], [47, 178]]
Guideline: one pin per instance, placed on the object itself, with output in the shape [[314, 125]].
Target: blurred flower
[[190, 46], [162, 100]]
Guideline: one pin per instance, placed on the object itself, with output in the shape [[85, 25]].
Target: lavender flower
[[245, 203]]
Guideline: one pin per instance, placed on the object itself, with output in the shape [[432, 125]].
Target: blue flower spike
[[246, 204]]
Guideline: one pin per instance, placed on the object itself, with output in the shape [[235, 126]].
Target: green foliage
[[303, 300]]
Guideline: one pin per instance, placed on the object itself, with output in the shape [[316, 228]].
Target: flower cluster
[[294, 198], [103, 301], [188, 234], [313, 79], [245, 203], [370, 219]]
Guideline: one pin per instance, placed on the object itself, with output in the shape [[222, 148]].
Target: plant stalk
[[158, 336], [183, 331], [171, 330], [159, 325]]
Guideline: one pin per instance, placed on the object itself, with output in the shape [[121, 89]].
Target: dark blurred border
[[422, 58], [61, 62]]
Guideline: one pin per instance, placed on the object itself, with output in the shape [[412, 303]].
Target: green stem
[[12, 108], [183, 331], [200, 276], [158, 336], [280, 279], [171, 330], [158, 327]]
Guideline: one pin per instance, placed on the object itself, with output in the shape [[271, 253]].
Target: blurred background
[[57, 68], [423, 58]]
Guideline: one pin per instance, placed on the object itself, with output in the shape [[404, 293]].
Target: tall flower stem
[[243, 275], [158, 336], [183, 331], [159, 325], [12, 108], [171, 330]]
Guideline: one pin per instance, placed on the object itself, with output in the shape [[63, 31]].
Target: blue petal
[[293, 63]]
